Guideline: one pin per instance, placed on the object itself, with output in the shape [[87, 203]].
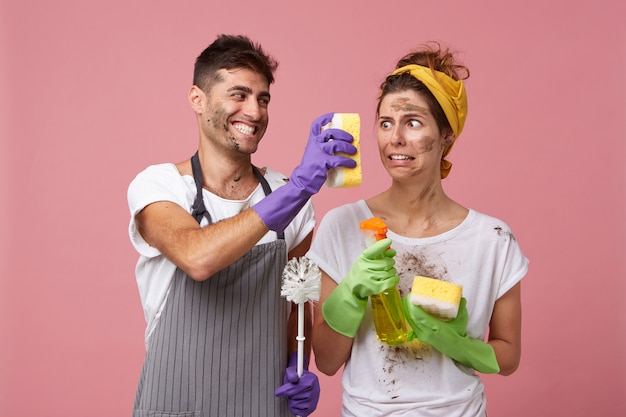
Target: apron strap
[[266, 187], [199, 210]]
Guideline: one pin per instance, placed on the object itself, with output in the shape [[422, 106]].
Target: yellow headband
[[451, 96]]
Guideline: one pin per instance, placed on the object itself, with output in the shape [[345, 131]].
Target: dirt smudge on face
[[428, 144], [404, 104]]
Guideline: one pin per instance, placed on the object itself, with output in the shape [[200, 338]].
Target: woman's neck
[[417, 211]]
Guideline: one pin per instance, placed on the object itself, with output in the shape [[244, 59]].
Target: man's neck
[[229, 178]]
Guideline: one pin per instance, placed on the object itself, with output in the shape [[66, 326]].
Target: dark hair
[[229, 52], [429, 55]]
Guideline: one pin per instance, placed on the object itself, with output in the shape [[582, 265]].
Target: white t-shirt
[[163, 182], [481, 254]]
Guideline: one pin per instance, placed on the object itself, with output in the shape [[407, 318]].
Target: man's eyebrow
[[248, 90], [243, 88]]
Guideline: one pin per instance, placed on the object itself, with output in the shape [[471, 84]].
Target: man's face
[[234, 114]]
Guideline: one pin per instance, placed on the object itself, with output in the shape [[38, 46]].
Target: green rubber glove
[[450, 337], [372, 273]]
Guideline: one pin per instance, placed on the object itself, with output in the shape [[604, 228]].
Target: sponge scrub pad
[[342, 176], [436, 297]]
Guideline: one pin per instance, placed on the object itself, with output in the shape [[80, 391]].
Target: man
[[214, 234]]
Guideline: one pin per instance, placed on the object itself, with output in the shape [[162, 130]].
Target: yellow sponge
[[342, 176], [439, 298]]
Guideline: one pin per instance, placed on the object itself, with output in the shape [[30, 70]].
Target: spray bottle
[[389, 321]]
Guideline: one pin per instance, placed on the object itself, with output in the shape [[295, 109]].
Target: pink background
[[92, 92]]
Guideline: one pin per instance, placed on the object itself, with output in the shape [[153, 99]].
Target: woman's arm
[[331, 349], [505, 330]]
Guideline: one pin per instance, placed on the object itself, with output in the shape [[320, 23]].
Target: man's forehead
[[239, 75]]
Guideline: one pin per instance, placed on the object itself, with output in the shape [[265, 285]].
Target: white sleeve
[[155, 183], [515, 266], [338, 241]]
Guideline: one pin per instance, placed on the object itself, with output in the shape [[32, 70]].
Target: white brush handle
[[300, 338]]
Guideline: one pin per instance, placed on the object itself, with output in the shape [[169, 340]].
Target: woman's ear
[[448, 138]]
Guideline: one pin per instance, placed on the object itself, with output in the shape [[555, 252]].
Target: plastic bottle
[[389, 321]]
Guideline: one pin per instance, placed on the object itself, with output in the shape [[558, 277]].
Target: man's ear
[[197, 98]]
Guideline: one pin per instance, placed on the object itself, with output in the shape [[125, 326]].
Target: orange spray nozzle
[[374, 227]]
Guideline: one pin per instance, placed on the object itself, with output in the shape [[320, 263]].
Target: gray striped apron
[[220, 346]]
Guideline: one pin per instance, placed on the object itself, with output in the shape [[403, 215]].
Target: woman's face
[[409, 140]]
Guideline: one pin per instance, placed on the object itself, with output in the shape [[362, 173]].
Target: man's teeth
[[246, 130], [400, 157]]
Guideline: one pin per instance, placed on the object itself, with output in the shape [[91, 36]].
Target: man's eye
[[415, 123], [385, 125]]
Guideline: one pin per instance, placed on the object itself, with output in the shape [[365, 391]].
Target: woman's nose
[[397, 137]]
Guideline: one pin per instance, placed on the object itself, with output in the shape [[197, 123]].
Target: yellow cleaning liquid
[[389, 321], [388, 317]]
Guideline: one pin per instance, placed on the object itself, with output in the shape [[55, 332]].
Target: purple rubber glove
[[302, 393], [279, 208]]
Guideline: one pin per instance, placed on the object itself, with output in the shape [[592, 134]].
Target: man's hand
[[303, 392], [279, 208]]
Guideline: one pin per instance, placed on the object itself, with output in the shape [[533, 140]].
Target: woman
[[421, 112]]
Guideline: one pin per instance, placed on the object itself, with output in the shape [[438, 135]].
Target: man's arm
[[200, 252]]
